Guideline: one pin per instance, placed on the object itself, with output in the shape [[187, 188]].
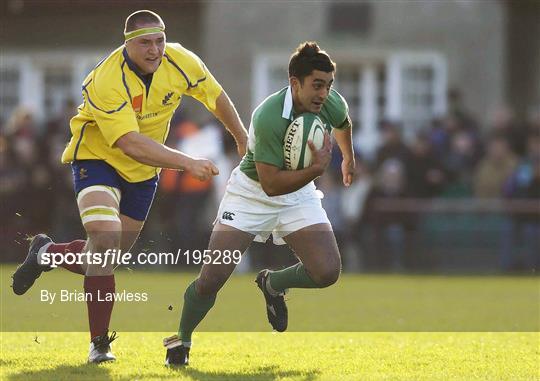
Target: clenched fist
[[202, 169]]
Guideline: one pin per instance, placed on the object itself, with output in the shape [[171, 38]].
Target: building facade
[[396, 59]]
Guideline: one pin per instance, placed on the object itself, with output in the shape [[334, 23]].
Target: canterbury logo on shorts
[[227, 216]]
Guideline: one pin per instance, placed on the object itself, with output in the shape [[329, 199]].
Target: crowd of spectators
[[386, 215], [453, 158]]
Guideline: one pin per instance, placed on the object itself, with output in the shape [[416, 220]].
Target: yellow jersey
[[118, 100]]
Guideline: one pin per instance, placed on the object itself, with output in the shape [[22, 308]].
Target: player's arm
[[118, 125], [147, 151], [227, 114], [344, 140], [275, 181]]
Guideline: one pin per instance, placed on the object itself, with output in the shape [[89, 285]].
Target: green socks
[[291, 277], [195, 309]]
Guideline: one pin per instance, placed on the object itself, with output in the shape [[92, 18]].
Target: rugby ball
[[305, 127]]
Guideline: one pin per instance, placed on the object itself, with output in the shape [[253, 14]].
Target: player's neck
[[297, 106]]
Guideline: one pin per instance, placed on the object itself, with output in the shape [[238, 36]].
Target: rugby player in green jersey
[[264, 198]]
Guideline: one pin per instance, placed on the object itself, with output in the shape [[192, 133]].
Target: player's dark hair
[[141, 17], [308, 57]]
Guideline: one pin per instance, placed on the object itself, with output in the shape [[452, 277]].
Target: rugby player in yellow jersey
[[117, 150]]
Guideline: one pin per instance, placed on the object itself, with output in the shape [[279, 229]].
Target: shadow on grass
[[265, 373], [90, 372], [82, 372]]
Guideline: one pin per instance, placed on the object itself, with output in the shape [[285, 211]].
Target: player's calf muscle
[[207, 288], [212, 278]]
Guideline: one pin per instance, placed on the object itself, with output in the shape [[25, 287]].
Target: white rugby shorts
[[246, 207]]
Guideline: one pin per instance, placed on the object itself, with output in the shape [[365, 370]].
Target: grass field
[[367, 327], [288, 356]]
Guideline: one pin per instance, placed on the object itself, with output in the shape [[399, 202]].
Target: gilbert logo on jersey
[[137, 103]]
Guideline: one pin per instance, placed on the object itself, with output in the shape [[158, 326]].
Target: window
[[417, 89], [9, 93], [42, 81], [362, 85], [57, 84]]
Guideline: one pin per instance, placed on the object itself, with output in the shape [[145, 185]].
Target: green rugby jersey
[[270, 120]]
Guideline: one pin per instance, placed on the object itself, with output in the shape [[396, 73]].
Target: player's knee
[[103, 241], [100, 270], [326, 277]]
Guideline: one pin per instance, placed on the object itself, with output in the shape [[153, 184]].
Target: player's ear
[[294, 82]]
